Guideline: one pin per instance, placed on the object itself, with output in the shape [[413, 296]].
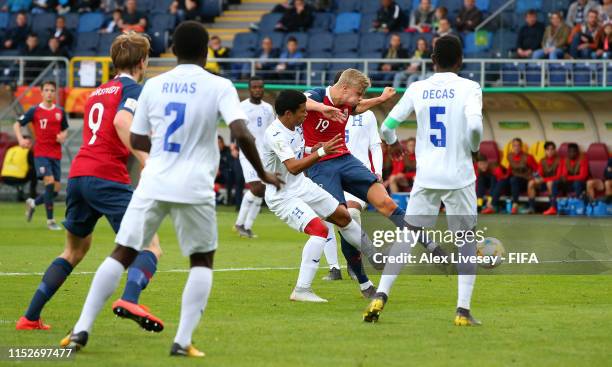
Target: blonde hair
[[353, 78], [128, 50]]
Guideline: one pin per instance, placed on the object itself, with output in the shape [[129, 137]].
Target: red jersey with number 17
[[102, 154], [46, 123], [318, 129]]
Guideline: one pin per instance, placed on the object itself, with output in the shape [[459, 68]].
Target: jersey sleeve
[[27, 117], [229, 105], [317, 94], [473, 116], [64, 123], [401, 111], [279, 145], [129, 98], [140, 123]]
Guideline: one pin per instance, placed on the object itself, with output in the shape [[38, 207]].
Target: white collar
[[41, 105]]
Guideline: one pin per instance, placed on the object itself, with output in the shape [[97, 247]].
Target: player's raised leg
[[331, 254]]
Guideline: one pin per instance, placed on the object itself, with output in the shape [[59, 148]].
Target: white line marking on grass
[[17, 274]]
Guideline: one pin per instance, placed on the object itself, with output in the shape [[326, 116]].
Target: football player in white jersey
[[449, 128], [176, 122], [301, 203], [261, 115]]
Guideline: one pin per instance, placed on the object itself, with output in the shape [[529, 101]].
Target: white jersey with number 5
[[446, 107], [180, 109]]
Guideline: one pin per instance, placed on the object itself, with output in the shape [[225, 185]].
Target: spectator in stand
[[16, 37], [578, 10], [288, 67], [186, 10], [549, 171], [218, 51], [444, 28], [440, 13], [573, 178], [114, 24], [299, 18], [54, 49], [582, 39], [63, 35], [393, 52], [282, 7], [603, 43], [413, 71], [42, 6], [530, 35], [485, 178], [86, 6], [595, 185], [605, 11], [108, 6], [264, 67], [404, 169], [17, 6], [521, 169], [469, 17], [33, 48], [389, 17], [422, 18], [554, 41], [229, 173], [133, 20]]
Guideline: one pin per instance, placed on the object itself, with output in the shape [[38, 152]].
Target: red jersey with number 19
[[102, 154], [318, 129]]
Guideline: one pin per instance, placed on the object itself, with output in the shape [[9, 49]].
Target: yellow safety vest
[[16, 162]]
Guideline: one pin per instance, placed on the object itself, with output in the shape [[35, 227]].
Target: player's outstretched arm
[[246, 143], [297, 166], [366, 104], [330, 112]]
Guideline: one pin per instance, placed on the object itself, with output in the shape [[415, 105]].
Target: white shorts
[[248, 171], [460, 205], [297, 210], [195, 224], [350, 197]]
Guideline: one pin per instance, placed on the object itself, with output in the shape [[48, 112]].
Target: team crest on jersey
[[58, 116], [346, 113]]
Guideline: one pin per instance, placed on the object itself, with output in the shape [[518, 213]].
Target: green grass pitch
[[529, 320]]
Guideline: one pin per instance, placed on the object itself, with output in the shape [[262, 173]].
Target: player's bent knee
[[258, 189], [202, 259], [316, 227], [355, 214], [125, 255]]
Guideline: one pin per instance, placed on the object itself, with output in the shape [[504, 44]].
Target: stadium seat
[[533, 74], [72, 21], [90, 22], [406, 5], [366, 22], [510, 74], [347, 23], [159, 41], [521, 6], [453, 7], [144, 6], [600, 75], [104, 43], [318, 70], [370, 6], [348, 6], [474, 42], [489, 149], [322, 42], [597, 155], [87, 44], [245, 41], [268, 22], [335, 67], [347, 42], [276, 37], [163, 21], [160, 6], [4, 20], [562, 151], [44, 22], [322, 22], [583, 75], [471, 71], [483, 5], [504, 43], [558, 74], [302, 39], [212, 8], [372, 42]]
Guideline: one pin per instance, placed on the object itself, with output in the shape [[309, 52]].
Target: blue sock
[[54, 277], [353, 260], [397, 217], [40, 199], [48, 198], [139, 275]]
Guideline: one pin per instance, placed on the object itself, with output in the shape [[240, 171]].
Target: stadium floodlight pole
[[494, 15]]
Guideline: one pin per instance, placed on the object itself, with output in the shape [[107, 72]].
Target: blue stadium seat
[[212, 8], [144, 5], [104, 43], [366, 22], [471, 71], [276, 37], [269, 21], [160, 6], [87, 44], [474, 42], [90, 22], [583, 74], [4, 20], [163, 21], [43, 23], [372, 42], [370, 6], [453, 7], [521, 6], [483, 5], [348, 6], [302, 39], [72, 21], [510, 74], [406, 5], [318, 70], [504, 42], [558, 75], [159, 40], [322, 22], [335, 67], [372, 67], [245, 41], [533, 74], [608, 76], [322, 42], [347, 23], [346, 42]]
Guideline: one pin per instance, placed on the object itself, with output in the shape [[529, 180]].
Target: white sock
[[366, 285], [311, 256], [195, 296], [352, 234], [331, 249], [465, 288], [253, 211], [247, 201], [102, 287], [392, 269]]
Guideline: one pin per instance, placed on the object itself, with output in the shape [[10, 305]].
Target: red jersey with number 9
[[102, 154], [318, 129]]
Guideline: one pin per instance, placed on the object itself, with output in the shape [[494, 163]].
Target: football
[[491, 246]]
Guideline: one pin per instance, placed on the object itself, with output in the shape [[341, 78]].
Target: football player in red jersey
[[99, 185], [50, 127]]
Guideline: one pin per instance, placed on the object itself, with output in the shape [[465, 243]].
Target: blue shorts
[[48, 167], [344, 173], [89, 198]]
